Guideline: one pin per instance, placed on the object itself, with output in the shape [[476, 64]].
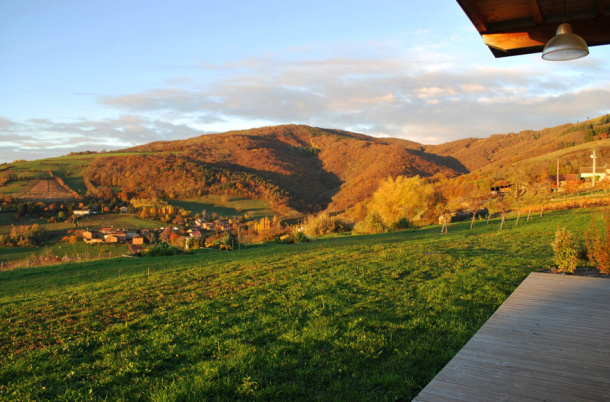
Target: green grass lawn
[[13, 187], [118, 221], [344, 317], [80, 248], [255, 209]]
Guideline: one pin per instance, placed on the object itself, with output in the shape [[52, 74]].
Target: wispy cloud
[[37, 138], [424, 94], [419, 98]]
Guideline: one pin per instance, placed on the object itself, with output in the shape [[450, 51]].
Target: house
[[600, 173], [105, 230], [120, 235], [137, 240], [564, 180], [195, 234], [81, 212], [207, 226], [88, 235], [93, 241], [501, 188], [110, 238]]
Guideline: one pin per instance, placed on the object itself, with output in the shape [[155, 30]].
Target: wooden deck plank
[[525, 380], [548, 368], [536, 358], [548, 341]]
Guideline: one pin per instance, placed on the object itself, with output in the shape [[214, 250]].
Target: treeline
[[23, 236], [174, 176]]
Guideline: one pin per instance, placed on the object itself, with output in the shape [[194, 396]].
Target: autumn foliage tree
[[598, 244], [402, 200]]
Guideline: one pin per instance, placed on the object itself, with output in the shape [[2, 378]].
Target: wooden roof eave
[[532, 39]]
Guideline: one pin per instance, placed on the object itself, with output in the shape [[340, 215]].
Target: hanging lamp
[[565, 45]]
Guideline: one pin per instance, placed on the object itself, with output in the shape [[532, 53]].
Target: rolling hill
[[297, 167], [302, 167]]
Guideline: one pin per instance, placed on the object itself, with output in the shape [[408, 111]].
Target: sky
[[93, 75]]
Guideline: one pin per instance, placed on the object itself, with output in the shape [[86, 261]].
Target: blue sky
[[92, 75]]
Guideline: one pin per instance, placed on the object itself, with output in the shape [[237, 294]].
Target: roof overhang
[[516, 27]]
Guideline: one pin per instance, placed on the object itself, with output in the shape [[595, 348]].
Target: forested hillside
[[308, 169], [302, 167], [502, 150]]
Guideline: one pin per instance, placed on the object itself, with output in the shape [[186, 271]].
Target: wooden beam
[[535, 8], [600, 8], [473, 11], [532, 39]]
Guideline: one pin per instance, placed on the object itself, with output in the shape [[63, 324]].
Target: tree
[[402, 198]]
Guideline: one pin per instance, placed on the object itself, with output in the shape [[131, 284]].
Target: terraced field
[[45, 190]]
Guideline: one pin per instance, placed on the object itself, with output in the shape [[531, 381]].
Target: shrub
[[565, 250], [373, 223], [324, 224], [598, 246], [300, 237], [293, 238], [223, 241], [162, 250], [581, 251]]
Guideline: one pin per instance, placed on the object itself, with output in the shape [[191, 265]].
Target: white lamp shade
[[565, 45]]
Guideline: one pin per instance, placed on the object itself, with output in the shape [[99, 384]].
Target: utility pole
[[557, 174], [593, 157]]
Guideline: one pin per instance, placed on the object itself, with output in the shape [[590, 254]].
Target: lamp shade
[[565, 45]]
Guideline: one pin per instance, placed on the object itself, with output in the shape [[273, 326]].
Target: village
[[182, 237]]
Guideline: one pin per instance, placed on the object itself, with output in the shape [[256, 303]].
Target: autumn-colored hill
[[298, 166], [502, 151]]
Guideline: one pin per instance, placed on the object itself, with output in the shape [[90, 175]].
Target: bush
[[373, 223], [162, 250], [565, 250], [223, 241], [598, 246], [401, 224], [324, 224]]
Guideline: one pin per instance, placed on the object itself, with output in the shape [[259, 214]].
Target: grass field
[[69, 168], [55, 232], [255, 209], [118, 221], [13, 187], [345, 317]]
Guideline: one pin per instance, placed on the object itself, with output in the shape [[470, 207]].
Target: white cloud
[[38, 138], [402, 97]]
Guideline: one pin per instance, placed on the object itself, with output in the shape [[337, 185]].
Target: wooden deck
[[549, 341]]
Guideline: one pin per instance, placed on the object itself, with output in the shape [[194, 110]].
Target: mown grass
[[13, 187], [344, 317], [118, 221], [79, 249], [233, 206]]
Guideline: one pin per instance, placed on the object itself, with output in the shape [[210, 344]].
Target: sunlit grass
[[231, 206], [344, 317]]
